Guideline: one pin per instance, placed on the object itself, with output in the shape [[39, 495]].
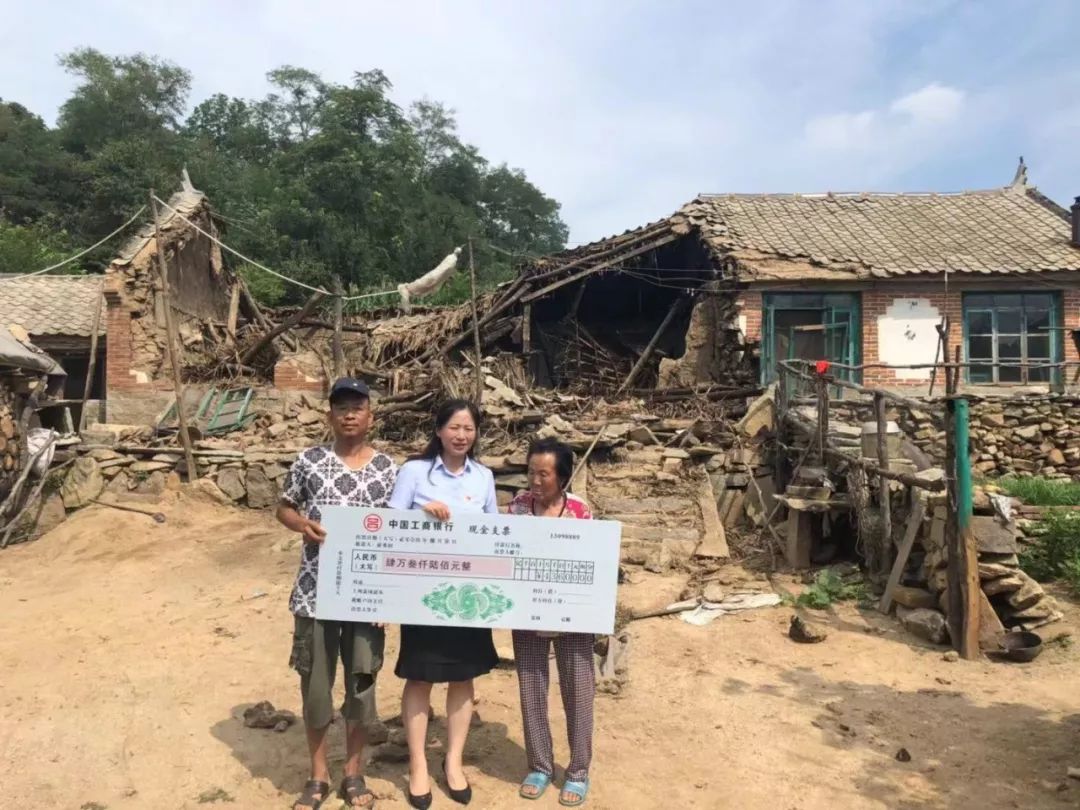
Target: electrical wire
[[80, 254]]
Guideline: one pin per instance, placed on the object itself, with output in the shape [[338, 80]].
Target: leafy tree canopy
[[316, 179]]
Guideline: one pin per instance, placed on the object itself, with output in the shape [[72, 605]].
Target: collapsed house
[[729, 285], [644, 351]]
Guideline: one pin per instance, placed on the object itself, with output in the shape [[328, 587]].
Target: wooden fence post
[[883, 482], [174, 345]]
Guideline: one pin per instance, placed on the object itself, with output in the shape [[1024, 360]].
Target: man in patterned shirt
[[349, 472]]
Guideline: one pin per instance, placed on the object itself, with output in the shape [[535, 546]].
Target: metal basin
[[1021, 645]]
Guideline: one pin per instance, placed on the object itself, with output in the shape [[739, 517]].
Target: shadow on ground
[[1016, 754], [282, 758]]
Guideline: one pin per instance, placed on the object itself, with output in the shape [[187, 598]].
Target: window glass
[[1006, 333], [980, 322]]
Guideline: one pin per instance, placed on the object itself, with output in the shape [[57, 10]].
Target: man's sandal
[[315, 793], [578, 790], [353, 788], [537, 780]]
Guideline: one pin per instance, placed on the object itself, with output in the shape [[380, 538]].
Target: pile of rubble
[[665, 477], [1010, 598]]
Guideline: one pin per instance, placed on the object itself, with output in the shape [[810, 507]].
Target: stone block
[[924, 623], [262, 493], [82, 484]]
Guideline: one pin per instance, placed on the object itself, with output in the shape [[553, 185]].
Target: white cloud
[[903, 122], [624, 109], [934, 103]]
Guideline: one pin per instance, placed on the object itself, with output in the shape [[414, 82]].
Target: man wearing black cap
[[349, 472]]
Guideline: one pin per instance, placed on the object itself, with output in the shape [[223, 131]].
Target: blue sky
[[623, 110]]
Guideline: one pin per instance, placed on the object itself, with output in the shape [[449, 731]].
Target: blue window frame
[[810, 326], [1006, 333]]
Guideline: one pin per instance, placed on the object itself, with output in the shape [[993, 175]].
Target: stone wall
[[1030, 435]]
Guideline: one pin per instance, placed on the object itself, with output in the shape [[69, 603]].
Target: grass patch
[[1055, 552], [215, 795], [829, 587], [1038, 491]]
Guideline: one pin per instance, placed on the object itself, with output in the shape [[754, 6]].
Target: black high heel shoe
[[419, 802], [463, 796]]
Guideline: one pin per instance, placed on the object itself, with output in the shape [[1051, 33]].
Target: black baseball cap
[[349, 385]]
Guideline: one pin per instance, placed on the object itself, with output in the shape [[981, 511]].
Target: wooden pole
[[234, 313], [823, 416], [942, 330], [914, 521], [966, 551], [651, 347], [478, 398], [954, 573], [174, 344], [92, 364], [339, 321], [883, 483], [526, 330]]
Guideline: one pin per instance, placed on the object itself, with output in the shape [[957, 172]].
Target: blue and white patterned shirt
[[320, 478], [472, 489]]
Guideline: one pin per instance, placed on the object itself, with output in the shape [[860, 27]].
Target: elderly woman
[[550, 465]]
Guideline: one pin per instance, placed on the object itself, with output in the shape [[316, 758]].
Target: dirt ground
[[128, 652]]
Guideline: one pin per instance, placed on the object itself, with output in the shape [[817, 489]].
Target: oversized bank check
[[477, 570]]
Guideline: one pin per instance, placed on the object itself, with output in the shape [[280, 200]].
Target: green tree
[[316, 179], [120, 98], [37, 177], [29, 248]]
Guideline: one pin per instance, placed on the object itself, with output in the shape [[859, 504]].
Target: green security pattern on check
[[467, 602]]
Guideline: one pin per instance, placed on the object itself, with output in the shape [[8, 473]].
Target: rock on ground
[[230, 483], [804, 632], [83, 483], [929, 625], [261, 491]]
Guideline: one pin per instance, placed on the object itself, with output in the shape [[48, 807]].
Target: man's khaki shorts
[[316, 648]]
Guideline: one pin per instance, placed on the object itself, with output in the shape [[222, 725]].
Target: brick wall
[[288, 376], [118, 346], [749, 307], [877, 300]]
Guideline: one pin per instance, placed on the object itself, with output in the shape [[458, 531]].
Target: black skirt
[[444, 654]]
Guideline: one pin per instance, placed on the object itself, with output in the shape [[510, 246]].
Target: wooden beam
[[284, 326], [174, 344], [915, 520], [883, 483], [526, 330], [596, 268], [911, 403], [663, 228], [92, 364], [651, 347], [339, 320], [822, 390], [234, 313], [479, 390], [510, 297], [963, 556]]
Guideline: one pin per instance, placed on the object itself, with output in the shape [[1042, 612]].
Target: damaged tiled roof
[[51, 305], [183, 203], [1009, 230]]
